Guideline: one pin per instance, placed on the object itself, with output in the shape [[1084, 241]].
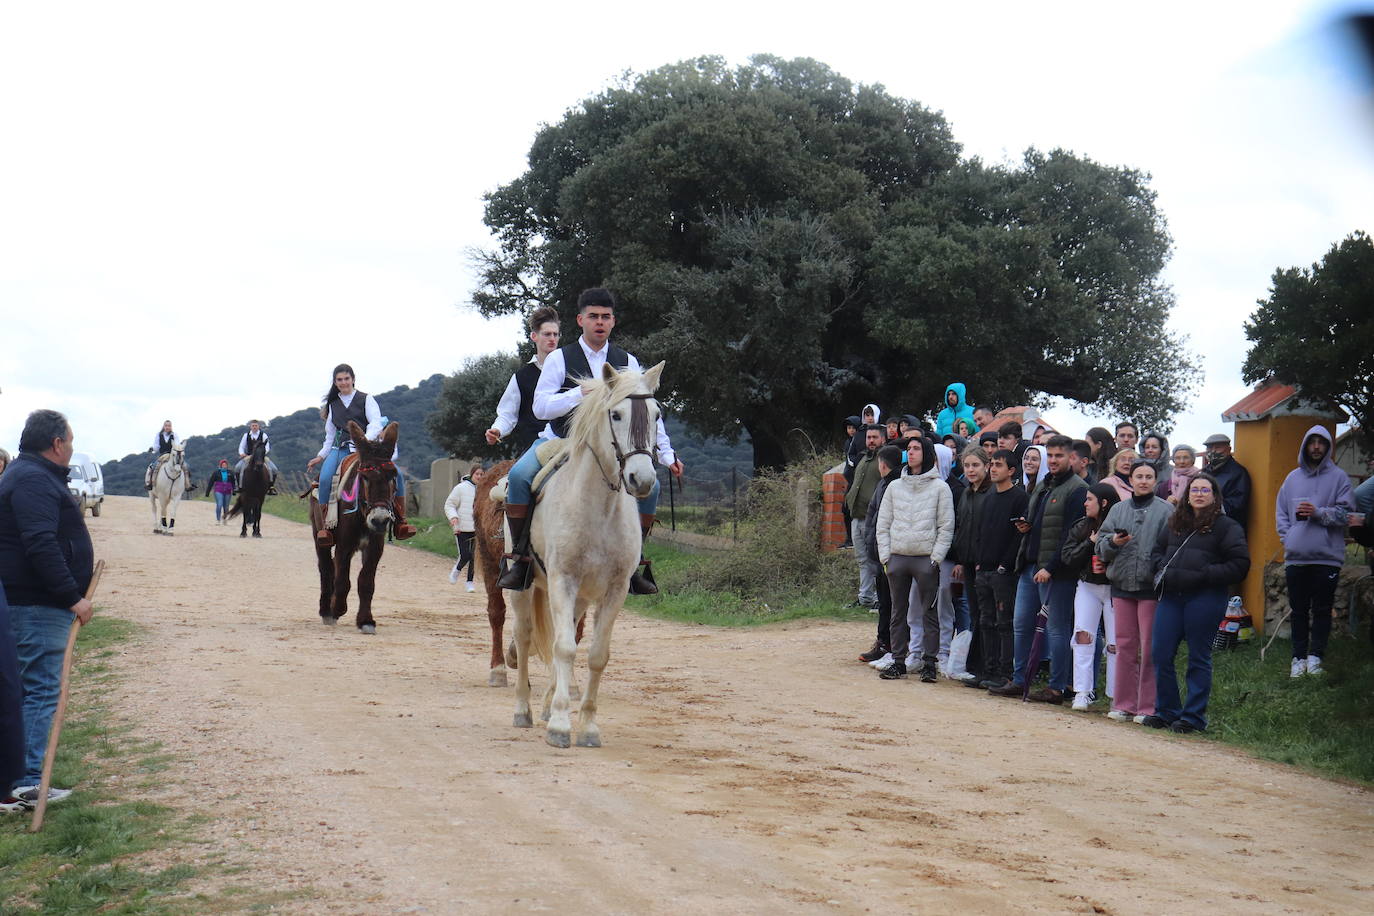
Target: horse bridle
[[622, 457], [368, 501]]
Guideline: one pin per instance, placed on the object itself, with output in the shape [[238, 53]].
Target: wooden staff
[[42, 802]]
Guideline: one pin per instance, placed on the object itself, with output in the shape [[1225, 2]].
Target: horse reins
[[639, 437]]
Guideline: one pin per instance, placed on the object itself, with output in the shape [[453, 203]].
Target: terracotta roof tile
[[1258, 404]]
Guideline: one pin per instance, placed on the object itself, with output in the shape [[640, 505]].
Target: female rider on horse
[[163, 443], [342, 403]]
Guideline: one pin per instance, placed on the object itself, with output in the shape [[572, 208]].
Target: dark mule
[[490, 519], [252, 491], [367, 495]]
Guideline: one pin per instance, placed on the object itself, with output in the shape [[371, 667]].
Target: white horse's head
[[618, 418], [178, 456]]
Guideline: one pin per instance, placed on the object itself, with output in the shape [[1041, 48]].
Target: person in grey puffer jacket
[[1131, 527], [1311, 517], [914, 532]]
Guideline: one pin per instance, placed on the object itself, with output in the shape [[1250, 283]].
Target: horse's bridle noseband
[[368, 501], [623, 457]]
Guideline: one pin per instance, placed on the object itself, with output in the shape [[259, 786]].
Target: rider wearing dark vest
[[165, 441], [340, 414], [527, 425], [247, 445], [577, 369], [162, 445]]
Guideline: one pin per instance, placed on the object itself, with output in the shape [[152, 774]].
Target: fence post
[[672, 504], [734, 511]]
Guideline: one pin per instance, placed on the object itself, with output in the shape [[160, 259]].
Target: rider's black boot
[[272, 486], [516, 574], [642, 583]]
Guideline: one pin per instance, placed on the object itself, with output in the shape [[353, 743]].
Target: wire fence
[[703, 505]]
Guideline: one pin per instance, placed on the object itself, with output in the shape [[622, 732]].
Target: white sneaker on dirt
[[453, 576], [1080, 701], [471, 587], [1117, 715], [1298, 668], [1139, 720], [881, 664], [1314, 664]]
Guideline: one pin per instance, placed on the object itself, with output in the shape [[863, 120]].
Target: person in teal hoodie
[[956, 406]]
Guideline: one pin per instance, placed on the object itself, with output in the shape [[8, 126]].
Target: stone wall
[[1355, 583]]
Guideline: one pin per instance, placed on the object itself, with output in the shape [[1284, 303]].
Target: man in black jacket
[[46, 560], [995, 561], [890, 467], [1231, 475]]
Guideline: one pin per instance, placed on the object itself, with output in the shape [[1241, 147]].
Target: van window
[[75, 473]]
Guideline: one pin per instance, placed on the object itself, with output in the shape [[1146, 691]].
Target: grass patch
[[687, 596], [87, 858], [1324, 724]]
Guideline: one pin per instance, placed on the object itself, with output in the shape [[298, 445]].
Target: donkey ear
[[390, 435], [608, 372], [651, 377], [356, 433]]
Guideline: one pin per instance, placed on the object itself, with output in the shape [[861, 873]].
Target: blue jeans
[[521, 477], [40, 636], [1191, 616], [221, 505], [11, 706], [1058, 593], [331, 464]]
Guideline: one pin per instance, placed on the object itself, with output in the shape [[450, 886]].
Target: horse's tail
[[236, 508], [541, 626]]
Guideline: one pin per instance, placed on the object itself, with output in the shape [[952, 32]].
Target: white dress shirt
[[374, 423], [508, 408], [243, 444], [550, 403]]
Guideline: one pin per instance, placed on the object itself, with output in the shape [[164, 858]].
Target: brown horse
[[490, 518], [252, 492], [367, 495]]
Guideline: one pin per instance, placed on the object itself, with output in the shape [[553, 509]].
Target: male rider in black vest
[[555, 396], [162, 445], [515, 411], [256, 436]]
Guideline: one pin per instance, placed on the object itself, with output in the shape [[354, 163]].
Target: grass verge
[[94, 852], [1322, 723], [684, 598]]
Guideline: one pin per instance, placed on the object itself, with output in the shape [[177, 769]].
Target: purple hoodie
[[1320, 539]]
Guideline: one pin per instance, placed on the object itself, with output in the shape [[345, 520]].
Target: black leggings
[[464, 552]]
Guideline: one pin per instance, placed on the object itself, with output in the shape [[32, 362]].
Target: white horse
[[586, 542], [169, 482]]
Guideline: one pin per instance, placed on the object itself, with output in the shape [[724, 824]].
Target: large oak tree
[[795, 246]]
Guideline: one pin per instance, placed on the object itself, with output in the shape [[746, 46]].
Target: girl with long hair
[[1092, 601], [1201, 552]]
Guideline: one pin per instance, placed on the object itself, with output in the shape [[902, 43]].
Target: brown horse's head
[[378, 473]]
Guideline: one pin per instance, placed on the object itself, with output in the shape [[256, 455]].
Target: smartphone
[[1121, 531], [1017, 521]]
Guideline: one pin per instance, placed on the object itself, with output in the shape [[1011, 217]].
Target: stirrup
[[643, 583], [517, 572]]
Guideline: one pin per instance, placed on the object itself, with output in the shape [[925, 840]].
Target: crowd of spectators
[[1114, 546]]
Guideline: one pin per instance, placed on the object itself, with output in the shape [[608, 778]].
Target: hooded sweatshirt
[[944, 423], [1320, 539], [856, 448]]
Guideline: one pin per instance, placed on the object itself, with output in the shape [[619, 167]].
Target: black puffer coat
[[1214, 558]]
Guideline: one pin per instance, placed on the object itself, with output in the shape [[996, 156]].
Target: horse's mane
[[590, 416]]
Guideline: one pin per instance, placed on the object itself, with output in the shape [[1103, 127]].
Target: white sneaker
[[28, 795], [471, 587], [1118, 716], [1314, 664], [453, 576], [1299, 667], [881, 664], [1080, 701], [1138, 720]]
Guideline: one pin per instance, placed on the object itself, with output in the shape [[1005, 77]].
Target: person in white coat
[[914, 532], [458, 509]]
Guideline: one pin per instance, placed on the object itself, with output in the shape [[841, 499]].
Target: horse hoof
[[523, 720], [257, 534], [497, 677], [369, 629], [243, 534], [589, 739], [557, 739], [328, 621]]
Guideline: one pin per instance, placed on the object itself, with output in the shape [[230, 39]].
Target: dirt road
[[743, 771]]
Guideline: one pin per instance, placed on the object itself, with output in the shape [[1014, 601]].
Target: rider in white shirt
[[256, 435]]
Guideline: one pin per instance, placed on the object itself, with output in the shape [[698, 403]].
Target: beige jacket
[[916, 518]]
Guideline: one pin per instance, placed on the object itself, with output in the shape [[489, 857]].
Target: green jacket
[[866, 479]]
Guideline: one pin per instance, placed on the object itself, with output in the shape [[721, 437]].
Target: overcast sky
[[204, 208]]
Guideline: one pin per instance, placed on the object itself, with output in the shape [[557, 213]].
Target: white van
[[85, 483]]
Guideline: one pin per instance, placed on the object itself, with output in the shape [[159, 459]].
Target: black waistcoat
[[164, 443], [357, 412], [575, 367], [527, 425]]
